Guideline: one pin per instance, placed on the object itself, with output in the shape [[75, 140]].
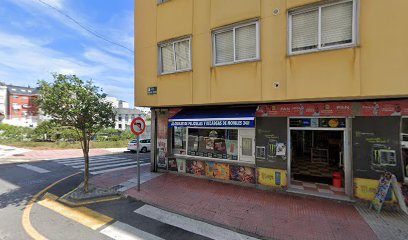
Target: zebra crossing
[[106, 163]]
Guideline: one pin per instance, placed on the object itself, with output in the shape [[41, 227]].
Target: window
[[236, 44], [175, 56], [15, 96], [322, 27], [179, 140], [119, 118], [126, 118], [162, 1]]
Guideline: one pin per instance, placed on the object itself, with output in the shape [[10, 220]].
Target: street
[[120, 219]]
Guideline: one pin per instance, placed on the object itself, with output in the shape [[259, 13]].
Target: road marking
[[93, 164], [6, 186], [98, 161], [123, 231], [82, 160], [119, 168], [191, 225], [82, 215], [33, 168], [30, 230]]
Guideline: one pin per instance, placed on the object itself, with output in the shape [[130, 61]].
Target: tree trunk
[[85, 150]]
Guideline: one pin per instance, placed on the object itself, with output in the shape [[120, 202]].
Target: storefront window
[[179, 140], [214, 143]]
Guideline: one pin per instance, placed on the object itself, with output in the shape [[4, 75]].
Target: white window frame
[[174, 57], [229, 28], [319, 48], [162, 1]]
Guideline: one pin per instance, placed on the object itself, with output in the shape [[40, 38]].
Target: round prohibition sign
[[138, 126]]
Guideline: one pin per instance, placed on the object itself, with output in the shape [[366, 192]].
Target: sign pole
[[138, 126], [138, 163]]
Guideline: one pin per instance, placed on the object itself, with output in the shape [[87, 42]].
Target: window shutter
[[245, 40], [182, 54], [224, 47], [305, 30], [337, 23], [167, 55]]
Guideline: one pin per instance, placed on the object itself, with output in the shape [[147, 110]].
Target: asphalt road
[[20, 182]]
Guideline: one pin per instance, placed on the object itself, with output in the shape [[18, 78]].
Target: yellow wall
[[375, 68]]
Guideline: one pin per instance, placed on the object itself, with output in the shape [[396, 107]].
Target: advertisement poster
[[305, 109], [376, 144], [172, 163], [232, 148], [162, 140], [384, 108], [181, 165], [195, 167], [271, 135], [242, 174], [272, 177], [366, 189], [217, 170]]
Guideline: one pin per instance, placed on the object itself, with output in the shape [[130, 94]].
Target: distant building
[[124, 114], [19, 102], [3, 101]]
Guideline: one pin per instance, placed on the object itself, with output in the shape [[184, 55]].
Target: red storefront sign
[[305, 109], [174, 111], [384, 108]]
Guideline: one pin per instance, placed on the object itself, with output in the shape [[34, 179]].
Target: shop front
[[317, 137], [331, 149], [217, 143]]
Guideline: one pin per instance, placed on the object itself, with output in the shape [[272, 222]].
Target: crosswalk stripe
[[191, 225], [110, 165], [33, 168], [101, 163], [119, 230], [119, 168], [94, 161], [82, 159]]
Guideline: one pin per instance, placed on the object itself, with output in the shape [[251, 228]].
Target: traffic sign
[[138, 126]]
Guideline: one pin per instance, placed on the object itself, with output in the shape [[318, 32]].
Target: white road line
[[109, 165], [119, 168], [6, 186], [33, 168], [102, 163], [123, 231], [93, 161], [191, 225], [79, 165], [82, 159]]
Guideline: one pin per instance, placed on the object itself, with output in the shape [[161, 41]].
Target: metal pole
[[138, 163]]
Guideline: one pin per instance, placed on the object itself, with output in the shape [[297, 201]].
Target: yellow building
[[290, 93]]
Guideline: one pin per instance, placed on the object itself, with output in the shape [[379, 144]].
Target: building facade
[[21, 107], [302, 95], [3, 101]]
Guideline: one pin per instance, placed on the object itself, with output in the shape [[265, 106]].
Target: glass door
[[247, 145]]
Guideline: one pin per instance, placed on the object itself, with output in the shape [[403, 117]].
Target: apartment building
[[299, 95], [21, 107]]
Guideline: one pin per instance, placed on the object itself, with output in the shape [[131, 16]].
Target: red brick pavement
[[56, 154], [267, 214]]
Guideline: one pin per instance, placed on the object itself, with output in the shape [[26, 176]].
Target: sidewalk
[[262, 213], [59, 153]]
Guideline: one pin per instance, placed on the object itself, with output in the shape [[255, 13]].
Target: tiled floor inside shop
[[317, 188]]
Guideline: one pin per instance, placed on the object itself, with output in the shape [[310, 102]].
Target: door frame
[[246, 133], [347, 157]]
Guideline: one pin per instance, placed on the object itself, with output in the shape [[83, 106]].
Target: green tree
[[71, 102]]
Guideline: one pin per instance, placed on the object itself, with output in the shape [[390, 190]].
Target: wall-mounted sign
[[305, 109], [213, 123], [151, 90], [384, 108]]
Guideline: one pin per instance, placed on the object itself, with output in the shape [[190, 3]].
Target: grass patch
[[64, 145]]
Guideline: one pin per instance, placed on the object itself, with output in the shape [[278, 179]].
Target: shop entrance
[[317, 155]]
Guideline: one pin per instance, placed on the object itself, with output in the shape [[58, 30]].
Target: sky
[[36, 40]]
